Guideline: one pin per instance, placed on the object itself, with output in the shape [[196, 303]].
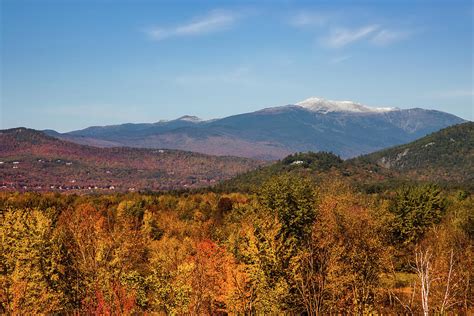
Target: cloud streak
[[386, 37], [339, 59], [214, 21], [342, 36]]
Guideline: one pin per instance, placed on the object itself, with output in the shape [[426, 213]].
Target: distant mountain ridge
[[345, 128]]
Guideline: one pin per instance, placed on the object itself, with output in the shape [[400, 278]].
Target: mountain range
[[32, 160], [345, 128]]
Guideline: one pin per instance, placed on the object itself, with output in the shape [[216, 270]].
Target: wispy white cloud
[[341, 37], [386, 37], [306, 19], [339, 59], [214, 21]]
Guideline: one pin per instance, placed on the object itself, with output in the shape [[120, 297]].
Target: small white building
[[297, 162]]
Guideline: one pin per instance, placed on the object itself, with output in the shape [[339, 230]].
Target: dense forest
[[292, 246]]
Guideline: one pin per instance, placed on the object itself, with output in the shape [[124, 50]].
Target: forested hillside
[[318, 166], [445, 155], [31, 160]]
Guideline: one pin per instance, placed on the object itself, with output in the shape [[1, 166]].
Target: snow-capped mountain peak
[[322, 105], [190, 118]]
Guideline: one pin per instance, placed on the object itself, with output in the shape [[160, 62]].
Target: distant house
[[16, 162], [68, 163], [297, 162]]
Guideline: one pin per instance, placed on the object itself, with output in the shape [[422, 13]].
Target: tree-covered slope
[[32, 160], [446, 155], [320, 165]]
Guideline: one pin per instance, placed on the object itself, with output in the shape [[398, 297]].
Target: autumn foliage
[[296, 247]]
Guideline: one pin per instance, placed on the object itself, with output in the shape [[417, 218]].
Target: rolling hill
[[32, 160], [445, 157], [318, 166], [345, 128]]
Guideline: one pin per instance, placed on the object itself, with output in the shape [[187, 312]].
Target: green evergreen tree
[[416, 208]]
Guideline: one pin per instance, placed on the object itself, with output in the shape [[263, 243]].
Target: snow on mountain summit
[[323, 105], [190, 118]]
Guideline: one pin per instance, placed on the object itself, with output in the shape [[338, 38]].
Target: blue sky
[[70, 64]]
